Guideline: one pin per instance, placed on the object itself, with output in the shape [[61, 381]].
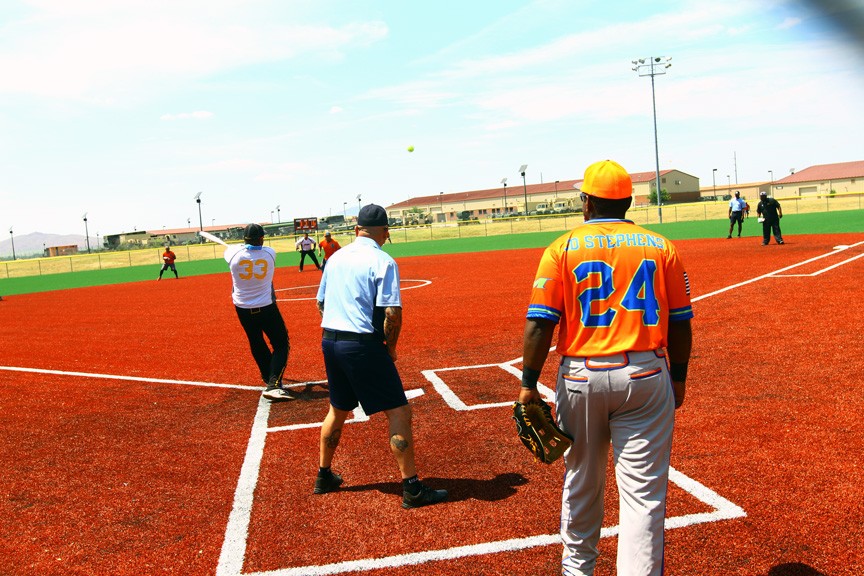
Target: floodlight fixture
[[12, 239], [86, 233], [524, 186], [654, 66], [200, 220]]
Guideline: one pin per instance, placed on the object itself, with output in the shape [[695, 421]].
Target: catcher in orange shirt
[[621, 299]]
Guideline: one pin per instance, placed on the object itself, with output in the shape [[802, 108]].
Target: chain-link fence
[[714, 210]]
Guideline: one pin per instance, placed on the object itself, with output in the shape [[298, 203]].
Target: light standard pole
[[524, 186], [771, 184], [358, 205], [344, 210], [729, 181], [212, 222], [12, 239], [714, 182], [654, 66], [278, 214], [504, 182], [200, 221], [188, 222], [271, 216], [86, 233], [556, 190]]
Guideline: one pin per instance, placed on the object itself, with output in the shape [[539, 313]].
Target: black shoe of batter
[[329, 483], [425, 497]]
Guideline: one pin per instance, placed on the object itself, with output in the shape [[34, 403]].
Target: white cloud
[[197, 115], [789, 23], [95, 50]]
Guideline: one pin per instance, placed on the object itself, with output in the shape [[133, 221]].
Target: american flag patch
[[687, 283]]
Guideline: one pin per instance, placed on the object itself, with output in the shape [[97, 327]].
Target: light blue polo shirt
[[358, 278]]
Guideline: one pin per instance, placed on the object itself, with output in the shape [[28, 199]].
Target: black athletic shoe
[[325, 484], [426, 497]]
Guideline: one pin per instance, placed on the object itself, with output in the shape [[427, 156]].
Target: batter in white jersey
[[252, 267]]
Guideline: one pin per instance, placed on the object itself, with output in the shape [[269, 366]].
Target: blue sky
[[126, 109]]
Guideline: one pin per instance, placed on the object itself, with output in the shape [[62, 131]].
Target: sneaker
[[728, 237], [780, 242], [276, 393], [426, 497], [325, 484]]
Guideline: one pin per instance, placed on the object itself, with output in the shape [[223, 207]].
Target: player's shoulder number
[[639, 296]]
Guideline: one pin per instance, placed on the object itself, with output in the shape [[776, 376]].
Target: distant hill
[[34, 244]]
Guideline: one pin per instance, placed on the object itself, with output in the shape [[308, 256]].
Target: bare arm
[[321, 308], [392, 328], [536, 340], [679, 347]]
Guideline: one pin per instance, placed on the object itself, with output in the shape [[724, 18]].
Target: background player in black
[[770, 211]]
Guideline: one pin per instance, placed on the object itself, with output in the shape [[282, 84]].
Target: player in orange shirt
[[619, 295], [168, 258], [328, 246]]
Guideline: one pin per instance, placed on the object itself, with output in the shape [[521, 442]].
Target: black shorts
[[736, 217], [362, 373]]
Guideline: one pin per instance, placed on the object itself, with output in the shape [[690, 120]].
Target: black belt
[[337, 335]]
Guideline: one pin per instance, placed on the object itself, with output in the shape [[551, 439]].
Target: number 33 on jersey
[[607, 283]]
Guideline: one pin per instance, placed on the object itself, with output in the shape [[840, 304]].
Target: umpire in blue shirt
[[361, 314]]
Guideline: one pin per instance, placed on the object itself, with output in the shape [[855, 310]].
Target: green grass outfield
[[811, 223]]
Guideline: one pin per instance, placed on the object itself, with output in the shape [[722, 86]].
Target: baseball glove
[[538, 432]]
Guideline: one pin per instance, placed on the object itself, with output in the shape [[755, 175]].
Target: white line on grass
[[129, 378], [237, 532], [723, 510]]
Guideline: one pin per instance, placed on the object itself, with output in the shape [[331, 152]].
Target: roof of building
[[822, 172], [514, 190]]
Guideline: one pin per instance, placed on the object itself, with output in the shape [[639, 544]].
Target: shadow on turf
[[794, 569], [498, 488]]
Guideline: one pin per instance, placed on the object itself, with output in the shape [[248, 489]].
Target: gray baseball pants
[[625, 400]]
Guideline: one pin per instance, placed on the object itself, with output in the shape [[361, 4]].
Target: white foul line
[[130, 378], [237, 532]]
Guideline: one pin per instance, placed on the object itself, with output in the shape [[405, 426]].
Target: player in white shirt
[[252, 267], [306, 246]]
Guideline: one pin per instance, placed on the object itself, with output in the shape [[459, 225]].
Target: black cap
[[763, 193], [253, 232], [372, 215], [737, 192]]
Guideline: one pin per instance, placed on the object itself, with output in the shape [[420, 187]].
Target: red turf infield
[[120, 476]]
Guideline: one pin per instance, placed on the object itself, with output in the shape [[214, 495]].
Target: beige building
[[821, 180]]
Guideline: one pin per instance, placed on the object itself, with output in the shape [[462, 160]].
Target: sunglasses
[[583, 196]]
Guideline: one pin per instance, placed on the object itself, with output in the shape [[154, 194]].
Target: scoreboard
[[305, 224]]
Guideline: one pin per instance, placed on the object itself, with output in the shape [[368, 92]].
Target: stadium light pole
[[278, 213], [271, 216], [504, 182], [358, 205], [12, 239], [654, 66], [344, 210], [200, 220], [86, 233], [714, 182], [771, 184], [524, 186], [188, 222]]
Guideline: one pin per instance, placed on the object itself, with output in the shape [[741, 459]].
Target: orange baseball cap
[[607, 179]]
